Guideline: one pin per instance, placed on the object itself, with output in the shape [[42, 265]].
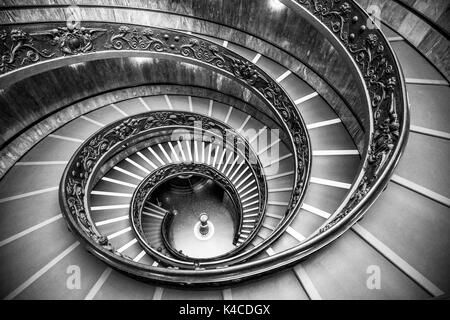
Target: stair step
[[148, 214], [155, 207]]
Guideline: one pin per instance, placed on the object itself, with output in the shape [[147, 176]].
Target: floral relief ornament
[[17, 49], [72, 39]]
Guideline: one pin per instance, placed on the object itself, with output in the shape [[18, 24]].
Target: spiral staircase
[[235, 149]]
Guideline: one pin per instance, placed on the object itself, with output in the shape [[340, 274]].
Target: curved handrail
[[113, 37], [95, 151], [383, 79], [163, 174], [257, 81]]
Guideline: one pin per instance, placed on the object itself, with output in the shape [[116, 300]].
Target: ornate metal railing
[[165, 173], [22, 48], [83, 169], [371, 52], [196, 49], [344, 22]]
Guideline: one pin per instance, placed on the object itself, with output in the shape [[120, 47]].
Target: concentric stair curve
[[395, 243]]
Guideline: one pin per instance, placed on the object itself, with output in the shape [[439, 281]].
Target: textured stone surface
[[437, 11]]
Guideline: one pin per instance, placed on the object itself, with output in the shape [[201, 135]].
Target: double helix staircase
[[291, 218]]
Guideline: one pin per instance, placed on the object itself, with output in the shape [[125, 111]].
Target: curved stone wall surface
[[255, 24]]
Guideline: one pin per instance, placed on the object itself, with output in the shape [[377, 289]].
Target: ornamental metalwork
[[148, 185], [377, 64], [107, 37], [88, 159], [131, 38], [18, 49], [367, 47], [71, 40]]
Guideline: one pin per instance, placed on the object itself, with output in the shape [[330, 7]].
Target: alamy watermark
[[374, 19], [373, 281], [73, 281], [218, 149]]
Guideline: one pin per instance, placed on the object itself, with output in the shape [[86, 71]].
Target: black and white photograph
[[224, 155]]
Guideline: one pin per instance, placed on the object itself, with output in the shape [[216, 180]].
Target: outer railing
[[345, 24], [171, 43], [355, 34]]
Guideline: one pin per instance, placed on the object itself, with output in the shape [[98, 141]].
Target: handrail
[[383, 80], [26, 48], [163, 174], [244, 72], [124, 134]]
